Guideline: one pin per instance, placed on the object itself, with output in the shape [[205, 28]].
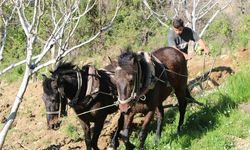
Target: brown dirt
[[29, 130]]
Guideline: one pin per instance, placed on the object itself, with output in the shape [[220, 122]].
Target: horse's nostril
[[49, 127], [129, 109]]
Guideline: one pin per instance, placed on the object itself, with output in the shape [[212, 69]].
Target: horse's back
[[170, 56], [175, 63]]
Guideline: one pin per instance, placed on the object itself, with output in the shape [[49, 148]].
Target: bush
[[72, 132], [242, 32]]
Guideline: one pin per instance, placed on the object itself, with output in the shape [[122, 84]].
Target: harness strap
[[79, 86], [163, 73], [90, 80], [56, 112]]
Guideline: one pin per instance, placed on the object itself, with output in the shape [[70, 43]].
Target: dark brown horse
[[143, 82], [86, 90]]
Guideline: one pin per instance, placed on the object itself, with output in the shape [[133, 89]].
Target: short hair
[[177, 23]]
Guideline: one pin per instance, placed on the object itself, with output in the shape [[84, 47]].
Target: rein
[[74, 100], [89, 92], [107, 106], [135, 87], [56, 112]]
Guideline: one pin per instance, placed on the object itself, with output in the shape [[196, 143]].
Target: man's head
[[178, 25]]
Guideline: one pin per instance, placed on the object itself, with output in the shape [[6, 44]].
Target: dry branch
[[57, 36]]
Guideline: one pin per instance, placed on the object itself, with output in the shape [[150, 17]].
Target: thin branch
[[96, 35], [40, 14], [205, 6], [202, 14], [87, 9], [23, 20], [53, 14], [2, 3], [34, 16], [157, 16], [10, 67], [50, 62], [213, 17], [6, 23]]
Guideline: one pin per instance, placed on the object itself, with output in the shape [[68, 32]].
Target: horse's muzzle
[[54, 125], [124, 108]]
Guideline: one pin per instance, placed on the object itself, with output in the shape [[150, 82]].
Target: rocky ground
[[29, 130]]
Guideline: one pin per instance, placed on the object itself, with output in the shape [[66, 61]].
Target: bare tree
[[64, 21], [194, 12], [5, 22]]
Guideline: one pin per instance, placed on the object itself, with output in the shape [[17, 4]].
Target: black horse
[[143, 82], [84, 90]]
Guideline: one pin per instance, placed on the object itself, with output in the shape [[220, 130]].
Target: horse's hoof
[[130, 146], [157, 139], [110, 148]]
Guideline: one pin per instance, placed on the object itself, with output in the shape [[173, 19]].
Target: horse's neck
[[147, 72], [71, 86], [106, 83]]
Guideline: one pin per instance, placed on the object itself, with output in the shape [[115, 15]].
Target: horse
[[85, 90], [143, 82]]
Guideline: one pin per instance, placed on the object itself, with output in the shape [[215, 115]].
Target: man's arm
[[203, 46], [171, 42]]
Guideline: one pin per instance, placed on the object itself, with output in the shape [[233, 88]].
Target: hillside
[[29, 130]]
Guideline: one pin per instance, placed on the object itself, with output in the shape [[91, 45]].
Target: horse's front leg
[[114, 142], [96, 132], [87, 133], [144, 130], [128, 118], [160, 116]]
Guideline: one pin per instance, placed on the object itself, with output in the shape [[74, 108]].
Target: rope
[[204, 65], [203, 69], [176, 73], [89, 111]]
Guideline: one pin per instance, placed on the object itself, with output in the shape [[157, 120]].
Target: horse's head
[[126, 79], [55, 104]]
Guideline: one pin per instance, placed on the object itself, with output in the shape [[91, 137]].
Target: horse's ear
[[113, 63], [126, 49], [139, 56]]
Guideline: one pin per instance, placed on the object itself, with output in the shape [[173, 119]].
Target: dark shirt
[[181, 41]]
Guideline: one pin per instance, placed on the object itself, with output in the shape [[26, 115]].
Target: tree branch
[[156, 15], [213, 17], [6, 23]]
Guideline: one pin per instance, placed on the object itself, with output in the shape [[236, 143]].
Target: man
[[181, 35]]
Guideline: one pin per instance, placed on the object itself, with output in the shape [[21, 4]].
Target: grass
[[212, 127], [72, 132]]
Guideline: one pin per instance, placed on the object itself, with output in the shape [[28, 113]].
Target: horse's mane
[[124, 60], [64, 66]]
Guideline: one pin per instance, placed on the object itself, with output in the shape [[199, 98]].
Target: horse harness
[[91, 90], [151, 78]]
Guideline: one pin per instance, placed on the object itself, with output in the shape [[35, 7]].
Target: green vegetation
[[131, 27], [216, 126], [72, 132], [228, 34], [213, 127]]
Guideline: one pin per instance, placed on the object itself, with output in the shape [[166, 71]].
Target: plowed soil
[[29, 130]]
